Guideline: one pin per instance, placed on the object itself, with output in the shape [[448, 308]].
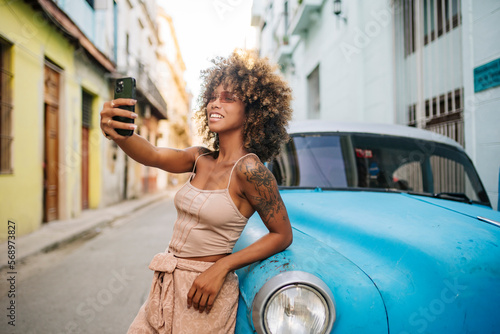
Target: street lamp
[[337, 9]]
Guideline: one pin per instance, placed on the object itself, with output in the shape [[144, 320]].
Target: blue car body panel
[[350, 286], [473, 210], [427, 264]]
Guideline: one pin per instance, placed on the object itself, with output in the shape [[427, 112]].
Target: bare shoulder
[[179, 160], [259, 187], [252, 172], [197, 151]]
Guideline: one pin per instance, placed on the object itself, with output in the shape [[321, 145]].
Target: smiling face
[[225, 111], [263, 103]]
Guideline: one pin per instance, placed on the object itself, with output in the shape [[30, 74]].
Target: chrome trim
[[489, 221], [321, 297], [283, 280]]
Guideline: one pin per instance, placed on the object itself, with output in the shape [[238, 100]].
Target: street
[[91, 286]]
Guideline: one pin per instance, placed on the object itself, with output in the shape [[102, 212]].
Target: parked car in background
[[393, 232]]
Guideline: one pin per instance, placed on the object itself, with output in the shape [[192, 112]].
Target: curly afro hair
[[264, 92]]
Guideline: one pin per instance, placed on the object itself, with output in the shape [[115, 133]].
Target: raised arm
[[169, 159], [259, 187]]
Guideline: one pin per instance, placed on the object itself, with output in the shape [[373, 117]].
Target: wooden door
[[51, 155]]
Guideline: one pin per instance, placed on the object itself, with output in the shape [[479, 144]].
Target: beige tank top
[[208, 222]]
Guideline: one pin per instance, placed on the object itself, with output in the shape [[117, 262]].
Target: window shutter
[[86, 110]]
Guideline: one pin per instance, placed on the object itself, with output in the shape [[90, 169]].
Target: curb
[[55, 234]]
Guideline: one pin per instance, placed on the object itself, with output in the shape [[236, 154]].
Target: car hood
[[431, 259]]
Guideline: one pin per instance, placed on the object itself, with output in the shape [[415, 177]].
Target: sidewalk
[[56, 233]]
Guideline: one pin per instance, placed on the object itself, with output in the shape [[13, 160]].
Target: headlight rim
[[286, 279]]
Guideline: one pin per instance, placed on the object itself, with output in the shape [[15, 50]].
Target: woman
[[245, 107]]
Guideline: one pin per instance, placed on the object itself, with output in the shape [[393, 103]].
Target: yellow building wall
[[95, 144], [95, 161], [21, 193]]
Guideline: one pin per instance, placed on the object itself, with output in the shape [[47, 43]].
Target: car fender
[[358, 302]]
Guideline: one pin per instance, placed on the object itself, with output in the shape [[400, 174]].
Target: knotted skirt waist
[[166, 306]]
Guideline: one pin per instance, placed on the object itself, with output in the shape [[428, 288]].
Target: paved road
[[90, 286]]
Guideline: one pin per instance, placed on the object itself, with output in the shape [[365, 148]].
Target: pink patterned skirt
[[166, 312]]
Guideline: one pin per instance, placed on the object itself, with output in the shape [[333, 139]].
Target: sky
[[208, 28]]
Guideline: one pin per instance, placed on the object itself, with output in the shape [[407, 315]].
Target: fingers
[[109, 126], [108, 137], [203, 303], [199, 300], [190, 296], [114, 124], [205, 289], [194, 299], [210, 303], [116, 103], [110, 110]]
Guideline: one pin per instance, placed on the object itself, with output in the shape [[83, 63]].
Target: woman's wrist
[[224, 264]]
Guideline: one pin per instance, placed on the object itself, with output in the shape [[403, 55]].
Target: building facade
[[137, 43], [411, 62], [170, 69], [53, 82], [127, 32], [58, 63]]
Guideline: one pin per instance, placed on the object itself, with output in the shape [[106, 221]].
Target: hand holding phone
[[125, 88]]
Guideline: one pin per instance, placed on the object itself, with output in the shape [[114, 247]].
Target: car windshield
[[378, 162]]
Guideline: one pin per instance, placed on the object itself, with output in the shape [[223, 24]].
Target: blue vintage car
[[393, 233]]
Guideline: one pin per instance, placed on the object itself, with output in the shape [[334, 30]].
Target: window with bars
[[442, 14], [437, 17], [412, 115], [443, 114], [430, 84], [86, 109], [443, 104], [6, 109], [409, 26]]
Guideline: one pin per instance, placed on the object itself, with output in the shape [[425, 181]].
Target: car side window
[[409, 177], [364, 160]]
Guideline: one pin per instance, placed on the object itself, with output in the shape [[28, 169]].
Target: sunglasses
[[224, 97]]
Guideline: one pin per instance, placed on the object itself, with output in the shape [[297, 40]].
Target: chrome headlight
[[294, 302]]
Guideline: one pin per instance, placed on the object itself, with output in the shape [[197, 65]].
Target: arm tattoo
[[267, 201]]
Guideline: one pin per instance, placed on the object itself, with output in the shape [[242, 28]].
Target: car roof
[[312, 126]]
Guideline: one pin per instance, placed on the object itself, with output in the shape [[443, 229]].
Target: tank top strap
[[232, 169], [195, 162]]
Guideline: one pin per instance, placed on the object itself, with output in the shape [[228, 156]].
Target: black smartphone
[[125, 88]]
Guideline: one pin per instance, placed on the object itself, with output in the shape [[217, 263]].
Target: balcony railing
[[283, 53], [307, 13], [148, 88]]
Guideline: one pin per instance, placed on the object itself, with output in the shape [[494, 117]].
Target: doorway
[[52, 83]]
